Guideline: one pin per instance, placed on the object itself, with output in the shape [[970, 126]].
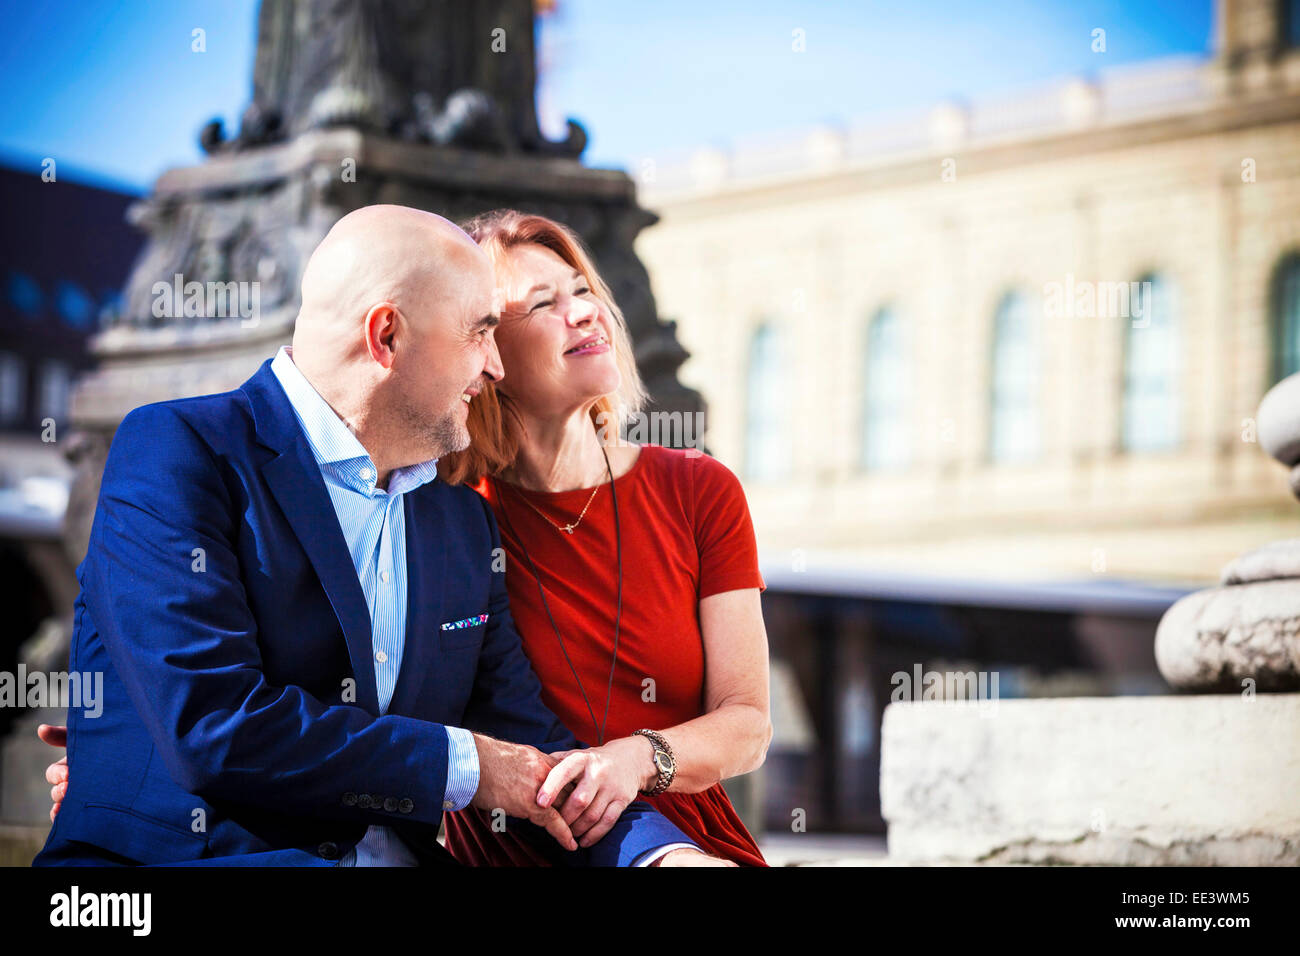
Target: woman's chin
[[577, 391], [588, 388]]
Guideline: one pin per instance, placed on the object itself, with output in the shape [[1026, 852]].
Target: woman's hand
[[604, 781], [57, 772]]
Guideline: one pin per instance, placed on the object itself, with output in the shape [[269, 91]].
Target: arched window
[[1151, 408], [1014, 428], [1286, 317], [886, 394], [767, 423]]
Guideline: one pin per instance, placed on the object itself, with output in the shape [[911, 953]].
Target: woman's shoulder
[[685, 458], [695, 472]]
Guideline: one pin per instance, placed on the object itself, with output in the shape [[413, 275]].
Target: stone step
[[1151, 781]]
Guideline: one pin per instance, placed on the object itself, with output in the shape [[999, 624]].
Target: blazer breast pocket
[[463, 632]]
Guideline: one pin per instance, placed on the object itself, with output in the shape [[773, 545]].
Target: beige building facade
[[1020, 340]]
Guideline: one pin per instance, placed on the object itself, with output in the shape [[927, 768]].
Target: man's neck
[[353, 410]]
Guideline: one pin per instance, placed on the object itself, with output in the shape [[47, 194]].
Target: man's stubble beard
[[440, 434]]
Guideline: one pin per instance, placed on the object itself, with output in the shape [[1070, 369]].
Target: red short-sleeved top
[[686, 534]]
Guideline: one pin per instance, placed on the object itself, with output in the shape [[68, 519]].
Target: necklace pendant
[[567, 529]]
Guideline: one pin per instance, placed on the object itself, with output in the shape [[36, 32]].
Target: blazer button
[[390, 804], [349, 799], [405, 805], [328, 851], [365, 801]]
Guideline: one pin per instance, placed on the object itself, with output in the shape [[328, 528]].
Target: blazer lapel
[[425, 560], [296, 483]]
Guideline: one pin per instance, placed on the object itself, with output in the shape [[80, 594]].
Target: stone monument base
[[1207, 780]]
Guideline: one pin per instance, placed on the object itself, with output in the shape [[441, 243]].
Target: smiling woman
[[632, 570], [552, 264]]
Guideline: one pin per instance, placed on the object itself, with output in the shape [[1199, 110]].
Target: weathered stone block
[[1195, 780]]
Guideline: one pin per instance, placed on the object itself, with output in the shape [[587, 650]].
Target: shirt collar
[[335, 448]]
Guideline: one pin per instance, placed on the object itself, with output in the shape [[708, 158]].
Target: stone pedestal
[[1148, 781], [1245, 633], [256, 215]]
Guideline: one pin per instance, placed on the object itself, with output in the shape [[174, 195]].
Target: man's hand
[[57, 772], [509, 776], [685, 856]]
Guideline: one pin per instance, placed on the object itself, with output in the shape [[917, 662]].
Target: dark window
[[1152, 410], [1014, 433], [767, 427], [886, 394]]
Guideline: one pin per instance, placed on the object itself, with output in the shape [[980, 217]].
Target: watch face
[[663, 762]]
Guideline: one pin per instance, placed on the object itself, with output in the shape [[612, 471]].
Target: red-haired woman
[[632, 570]]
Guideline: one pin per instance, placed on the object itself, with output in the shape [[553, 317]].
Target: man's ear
[[381, 332]]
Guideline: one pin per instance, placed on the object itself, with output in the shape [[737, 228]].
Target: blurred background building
[[66, 250], [960, 435], [881, 320]]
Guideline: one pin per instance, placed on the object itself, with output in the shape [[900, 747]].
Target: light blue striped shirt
[[374, 527]]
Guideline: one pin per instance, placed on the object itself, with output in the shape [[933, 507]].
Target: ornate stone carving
[[453, 74]]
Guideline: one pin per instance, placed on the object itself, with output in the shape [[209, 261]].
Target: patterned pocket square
[[468, 622]]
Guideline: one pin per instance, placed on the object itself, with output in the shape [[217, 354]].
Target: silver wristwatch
[[664, 761]]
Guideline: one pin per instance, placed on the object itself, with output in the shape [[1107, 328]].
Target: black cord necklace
[[618, 614]]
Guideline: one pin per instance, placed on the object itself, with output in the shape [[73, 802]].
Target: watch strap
[[661, 746]]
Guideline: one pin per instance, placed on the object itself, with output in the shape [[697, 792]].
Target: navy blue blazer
[[240, 721]]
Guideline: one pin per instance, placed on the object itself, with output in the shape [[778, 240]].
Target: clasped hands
[[575, 795]]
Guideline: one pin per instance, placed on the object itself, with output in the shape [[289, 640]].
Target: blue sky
[[112, 91]]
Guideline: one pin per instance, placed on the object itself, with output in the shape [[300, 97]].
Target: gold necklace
[[618, 613], [572, 526]]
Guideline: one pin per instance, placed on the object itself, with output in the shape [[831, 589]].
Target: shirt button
[[405, 805], [365, 474], [390, 804], [381, 657], [383, 576]]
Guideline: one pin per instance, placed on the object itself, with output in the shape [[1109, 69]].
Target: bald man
[[307, 650]]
